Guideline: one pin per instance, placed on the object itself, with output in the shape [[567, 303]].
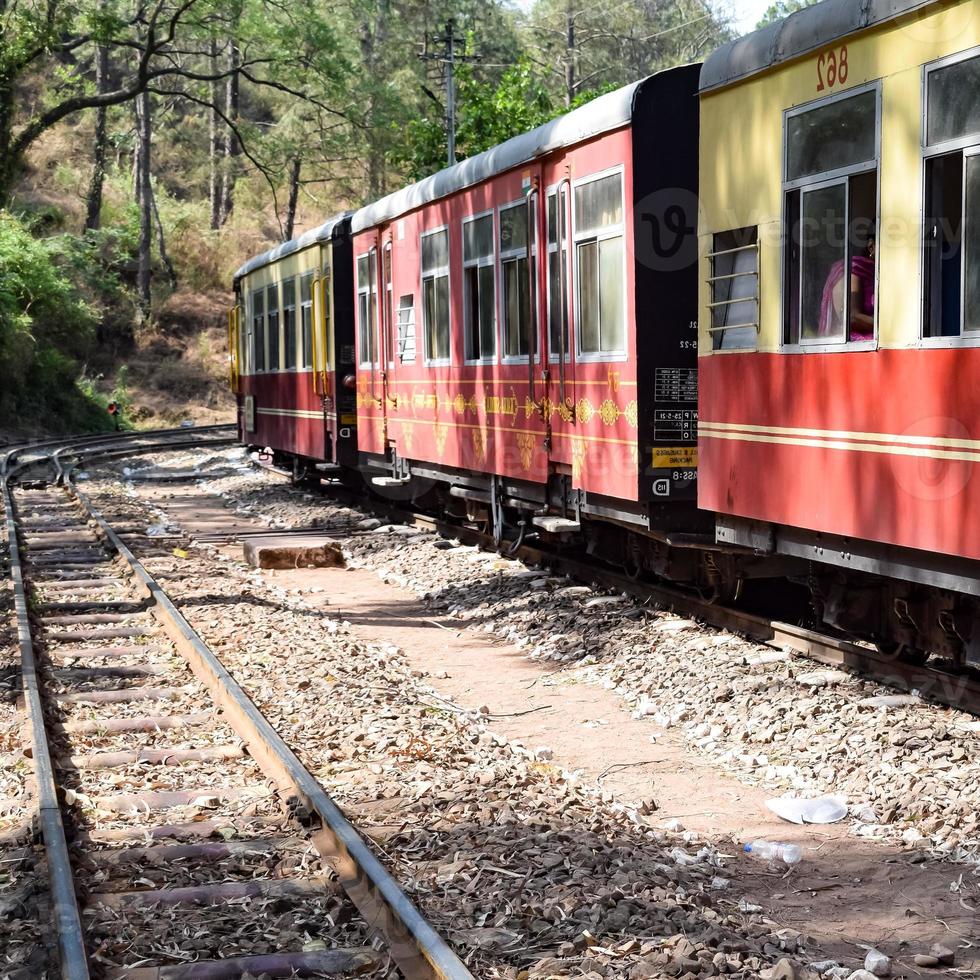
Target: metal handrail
[[532, 311], [732, 251], [313, 330], [733, 275], [564, 288], [734, 326]]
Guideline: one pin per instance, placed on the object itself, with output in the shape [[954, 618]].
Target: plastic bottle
[[772, 851]]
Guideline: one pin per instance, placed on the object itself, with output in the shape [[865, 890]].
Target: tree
[[93, 209], [486, 114], [583, 46], [158, 45], [781, 9]]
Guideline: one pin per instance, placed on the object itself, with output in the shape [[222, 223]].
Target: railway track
[[933, 681], [163, 794]]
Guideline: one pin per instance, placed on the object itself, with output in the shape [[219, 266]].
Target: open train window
[[734, 284], [289, 323], [558, 272], [367, 310], [830, 220], [435, 294], [479, 295], [951, 250], [517, 285], [600, 265], [258, 329], [406, 328], [272, 325], [306, 319]]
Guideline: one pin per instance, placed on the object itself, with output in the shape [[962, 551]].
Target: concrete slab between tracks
[[292, 551]]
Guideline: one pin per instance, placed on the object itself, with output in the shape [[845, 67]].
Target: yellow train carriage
[[292, 345], [839, 307]]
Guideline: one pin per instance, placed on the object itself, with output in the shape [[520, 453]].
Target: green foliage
[[487, 114], [46, 329], [783, 8]]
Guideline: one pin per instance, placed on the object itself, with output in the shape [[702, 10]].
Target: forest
[[148, 146]]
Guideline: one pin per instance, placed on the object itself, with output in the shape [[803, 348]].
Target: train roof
[[800, 33], [319, 234], [601, 115]]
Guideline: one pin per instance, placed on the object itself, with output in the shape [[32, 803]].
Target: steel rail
[[10, 453], [68, 925], [420, 952], [100, 453]]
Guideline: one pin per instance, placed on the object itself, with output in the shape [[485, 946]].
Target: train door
[[561, 359], [234, 348], [535, 303], [561, 366], [321, 336], [320, 302]]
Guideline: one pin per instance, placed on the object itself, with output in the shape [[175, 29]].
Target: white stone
[[877, 963]]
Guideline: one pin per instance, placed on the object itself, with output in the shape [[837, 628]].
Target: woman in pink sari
[[862, 286]]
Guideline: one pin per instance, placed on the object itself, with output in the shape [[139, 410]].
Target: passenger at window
[[862, 285]]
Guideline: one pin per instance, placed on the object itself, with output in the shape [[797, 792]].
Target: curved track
[[122, 692]]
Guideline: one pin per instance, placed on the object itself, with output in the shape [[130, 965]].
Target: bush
[[46, 330]]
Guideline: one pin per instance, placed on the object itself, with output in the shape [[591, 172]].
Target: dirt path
[[847, 893]]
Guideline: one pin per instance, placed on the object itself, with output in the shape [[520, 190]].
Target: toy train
[[715, 326]]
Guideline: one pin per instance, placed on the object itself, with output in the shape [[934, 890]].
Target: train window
[[367, 310], [835, 135], [734, 285], [557, 282], [435, 294], [272, 326], [289, 323], [517, 284], [952, 108], [406, 328], [306, 319], [831, 216], [600, 265], [951, 251], [258, 328], [479, 299]]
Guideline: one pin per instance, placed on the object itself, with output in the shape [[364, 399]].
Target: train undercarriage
[[928, 611]]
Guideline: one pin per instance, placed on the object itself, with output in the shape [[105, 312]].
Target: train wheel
[[304, 474], [633, 566], [902, 652]]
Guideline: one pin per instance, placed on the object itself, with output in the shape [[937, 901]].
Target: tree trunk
[[372, 38], [162, 241], [231, 140], [144, 198], [569, 52], [294, 170], [93, 209], [214, 183]]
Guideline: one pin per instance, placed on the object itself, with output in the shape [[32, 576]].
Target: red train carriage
[[291, 344], [840, 310], [526, 322]]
